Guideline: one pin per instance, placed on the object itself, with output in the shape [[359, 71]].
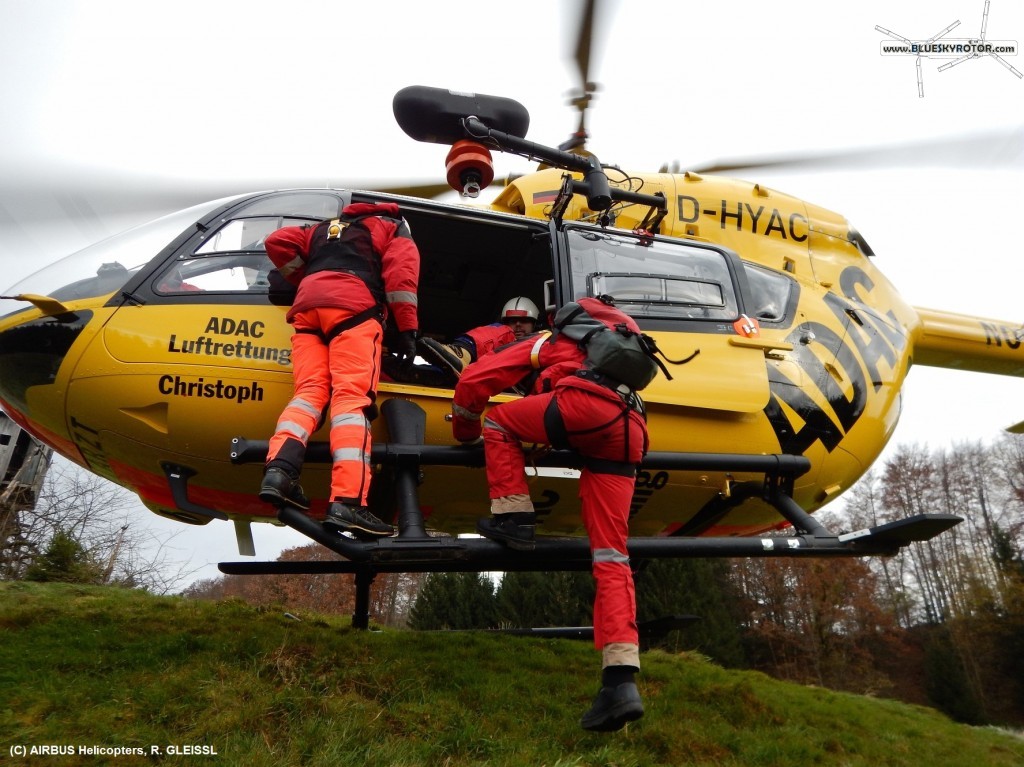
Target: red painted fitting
[[469, 161]]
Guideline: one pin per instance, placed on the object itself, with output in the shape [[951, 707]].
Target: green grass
[[89, 666]]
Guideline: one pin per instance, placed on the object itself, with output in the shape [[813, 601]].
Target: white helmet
[[518, 307]]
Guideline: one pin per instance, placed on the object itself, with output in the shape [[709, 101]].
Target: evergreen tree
[[65, 560], [699, 587], [454, 601], [949, 689], [530, 599]]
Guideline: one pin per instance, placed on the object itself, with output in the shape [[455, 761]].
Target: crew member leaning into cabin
[[349, 272]]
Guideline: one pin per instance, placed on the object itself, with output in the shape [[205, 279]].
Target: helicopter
[[159, 359]]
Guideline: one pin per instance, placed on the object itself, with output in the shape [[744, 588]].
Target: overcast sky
[[144, 97]]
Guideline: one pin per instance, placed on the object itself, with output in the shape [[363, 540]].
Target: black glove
[[405, 347]]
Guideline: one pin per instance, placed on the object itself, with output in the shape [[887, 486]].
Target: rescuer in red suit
[[350, 272], [518, 318], [573, 407]]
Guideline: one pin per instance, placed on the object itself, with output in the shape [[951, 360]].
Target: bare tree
[[105, 521]]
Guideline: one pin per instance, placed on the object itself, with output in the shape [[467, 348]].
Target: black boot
[[613, 708], [280, 489], [515, 530], [357, 520]]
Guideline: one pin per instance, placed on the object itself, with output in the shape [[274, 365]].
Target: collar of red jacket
[[372, 209]]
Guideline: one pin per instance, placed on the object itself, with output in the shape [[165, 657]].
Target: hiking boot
[[281, 490], [356, 520], [451, 358], [515, 530], [612, 708]]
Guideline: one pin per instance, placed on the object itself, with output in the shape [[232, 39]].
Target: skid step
[[902, 532]]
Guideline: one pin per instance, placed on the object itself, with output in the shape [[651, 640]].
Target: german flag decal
[[539, 197]]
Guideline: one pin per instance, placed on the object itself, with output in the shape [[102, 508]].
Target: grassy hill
[[104, 668]]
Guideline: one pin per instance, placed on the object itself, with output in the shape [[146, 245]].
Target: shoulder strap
[[542, 336]]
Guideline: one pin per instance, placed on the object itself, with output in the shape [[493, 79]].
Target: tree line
[[941, 623]]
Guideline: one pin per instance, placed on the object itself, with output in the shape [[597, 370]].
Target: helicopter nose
[[32, 351]]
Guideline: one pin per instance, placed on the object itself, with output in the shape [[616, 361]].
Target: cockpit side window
[[770, 293], [241, 234], [231, 259], [228, 273], [652, 278]]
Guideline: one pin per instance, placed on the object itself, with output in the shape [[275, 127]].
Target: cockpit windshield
[[100, 269]]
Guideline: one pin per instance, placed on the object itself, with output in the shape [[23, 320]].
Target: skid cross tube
[[779, 464]]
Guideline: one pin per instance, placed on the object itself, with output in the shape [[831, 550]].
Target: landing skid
[[413, 550]]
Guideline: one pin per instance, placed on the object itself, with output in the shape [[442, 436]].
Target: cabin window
[[652, 278]]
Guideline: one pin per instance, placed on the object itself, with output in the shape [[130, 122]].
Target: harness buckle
[[335, 229]]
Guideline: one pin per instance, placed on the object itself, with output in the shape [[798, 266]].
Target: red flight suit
[[347, 280], [598, 424], [488, 337]]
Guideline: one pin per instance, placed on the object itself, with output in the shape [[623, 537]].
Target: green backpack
[[613, 342]]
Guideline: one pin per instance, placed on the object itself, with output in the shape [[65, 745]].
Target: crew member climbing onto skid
[[570, 406], [349, 272]]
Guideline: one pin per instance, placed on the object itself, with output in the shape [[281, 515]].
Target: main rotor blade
[[581, 96], [998, 149], [86, 193], [583, 42]]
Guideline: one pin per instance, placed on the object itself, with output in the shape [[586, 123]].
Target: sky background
[[113, 112]]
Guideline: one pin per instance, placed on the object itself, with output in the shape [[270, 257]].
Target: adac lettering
[[230, 337], [229, 326], [176, 386], [997, 335], [645, 486], [870, 340], [744, 217]]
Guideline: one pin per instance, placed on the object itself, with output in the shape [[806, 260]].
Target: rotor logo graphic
[[959, 50]]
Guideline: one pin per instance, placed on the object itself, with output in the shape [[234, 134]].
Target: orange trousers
[[342, 373]]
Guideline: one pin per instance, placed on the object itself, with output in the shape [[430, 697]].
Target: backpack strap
[[650, 347], [373, 313]]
